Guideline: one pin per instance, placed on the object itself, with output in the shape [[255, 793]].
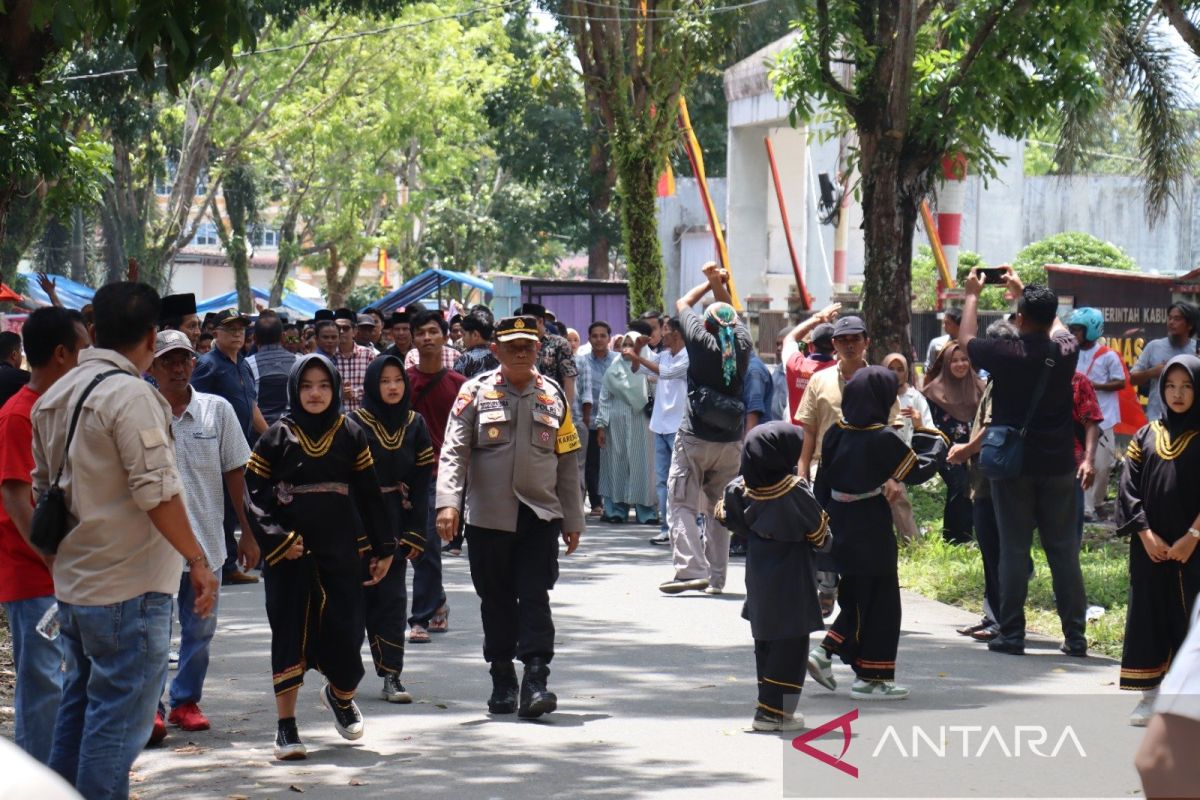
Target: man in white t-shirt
[[1104, 369], [670, 365]]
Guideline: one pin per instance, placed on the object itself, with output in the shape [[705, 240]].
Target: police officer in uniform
[[511, 444]]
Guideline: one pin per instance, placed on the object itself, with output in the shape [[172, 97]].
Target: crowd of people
[[328, 455]]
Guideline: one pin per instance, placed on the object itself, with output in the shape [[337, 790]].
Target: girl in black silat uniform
[[862, 464], [310, 479], [1158, 508], [403, 454], [782, 523]]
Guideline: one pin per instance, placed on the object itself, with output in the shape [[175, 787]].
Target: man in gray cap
[[211, 454], [820, 408]]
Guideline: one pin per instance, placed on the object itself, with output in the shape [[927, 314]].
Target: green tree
[[636, 62], [926, 80]]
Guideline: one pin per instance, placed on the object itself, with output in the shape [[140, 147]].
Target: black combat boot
[[536, 699], [504, 688]]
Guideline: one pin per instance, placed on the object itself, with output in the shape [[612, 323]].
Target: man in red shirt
[[53, 338], [434, 389], [799, 364]]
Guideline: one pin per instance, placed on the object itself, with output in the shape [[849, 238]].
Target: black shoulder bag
[[1003, 449], [50, 523]]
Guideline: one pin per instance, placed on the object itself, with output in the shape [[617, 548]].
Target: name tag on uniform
[[491, 405]]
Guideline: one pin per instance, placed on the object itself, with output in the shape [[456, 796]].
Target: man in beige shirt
[[119, 564], [511, 446]]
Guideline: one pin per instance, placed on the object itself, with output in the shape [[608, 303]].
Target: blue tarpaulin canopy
[[301, 307], [71, 294], [427, 284]]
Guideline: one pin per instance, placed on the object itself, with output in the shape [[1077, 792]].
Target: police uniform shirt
[[508, 447]]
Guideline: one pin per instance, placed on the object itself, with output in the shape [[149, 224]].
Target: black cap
[[177, 305], [400, 317], [210, 318], [345, 313], [322, 314], [848, 326], [533, 310], [523, 327], [230, 316], [822, 335]]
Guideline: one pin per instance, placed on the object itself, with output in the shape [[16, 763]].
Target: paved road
[[655, 695]]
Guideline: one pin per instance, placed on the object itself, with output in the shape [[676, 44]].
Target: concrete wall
[[682, 216]]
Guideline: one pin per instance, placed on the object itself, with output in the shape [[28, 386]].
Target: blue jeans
[[428, 594], [38, 664], [116, 659], [196, 637], [664, 445]]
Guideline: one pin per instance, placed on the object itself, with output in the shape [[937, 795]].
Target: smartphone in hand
[[992, 276]]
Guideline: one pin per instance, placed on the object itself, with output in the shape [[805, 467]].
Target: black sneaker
[[346, 716], [288, 746], [393, 690]]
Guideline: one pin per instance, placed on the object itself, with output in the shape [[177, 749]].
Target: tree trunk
[[333, 294], [26, 219], [891, 198], [79, 269], [639, 227], [600, 189]]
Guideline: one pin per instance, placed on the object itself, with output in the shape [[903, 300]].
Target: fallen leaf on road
[[189, 750], [296, 788], [707, 686], [357, 782], [236, 797], [1058, 669], [440, 705], [941, 674]]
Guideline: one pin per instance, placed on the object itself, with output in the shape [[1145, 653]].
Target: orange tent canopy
[[7, 295]]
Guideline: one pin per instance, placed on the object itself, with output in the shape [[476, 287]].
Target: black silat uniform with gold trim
[[1158, 491], [783, 525], [313, 477], [403, 453], [858, 455]]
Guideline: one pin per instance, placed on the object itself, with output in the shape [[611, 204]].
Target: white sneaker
[[820, 667], [1140, 717], [714, 590], [768, 721], [877, 690], [173, 659]]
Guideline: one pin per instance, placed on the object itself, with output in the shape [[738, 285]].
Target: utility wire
[[429, 21]]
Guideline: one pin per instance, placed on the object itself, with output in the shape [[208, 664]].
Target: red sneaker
[[159, 731], [189, 717]]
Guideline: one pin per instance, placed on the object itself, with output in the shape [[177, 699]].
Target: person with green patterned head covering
[[708, 446]]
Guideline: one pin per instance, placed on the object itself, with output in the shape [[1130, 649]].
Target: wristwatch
[[1195, 534]]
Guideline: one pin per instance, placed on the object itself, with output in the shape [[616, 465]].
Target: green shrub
[[1068, 248]]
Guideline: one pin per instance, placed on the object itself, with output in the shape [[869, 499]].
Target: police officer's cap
[[513, 328]]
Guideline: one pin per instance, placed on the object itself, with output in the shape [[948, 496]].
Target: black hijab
[[1189, 420], [869, 396], [392, 416], [314, 425], [770, 453]]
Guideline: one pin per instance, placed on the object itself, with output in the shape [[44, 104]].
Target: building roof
[[750, 76]]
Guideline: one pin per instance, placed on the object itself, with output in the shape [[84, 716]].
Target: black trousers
[[591, 470], [316, 619], [866, 633], [386, 602], [781, 665], [513, 573], [957, 516]]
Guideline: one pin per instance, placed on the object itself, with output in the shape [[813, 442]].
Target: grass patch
[[953, 573]]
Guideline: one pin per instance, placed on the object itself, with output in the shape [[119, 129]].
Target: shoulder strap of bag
[[1038, 391], [424, 391], [75, 418]]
